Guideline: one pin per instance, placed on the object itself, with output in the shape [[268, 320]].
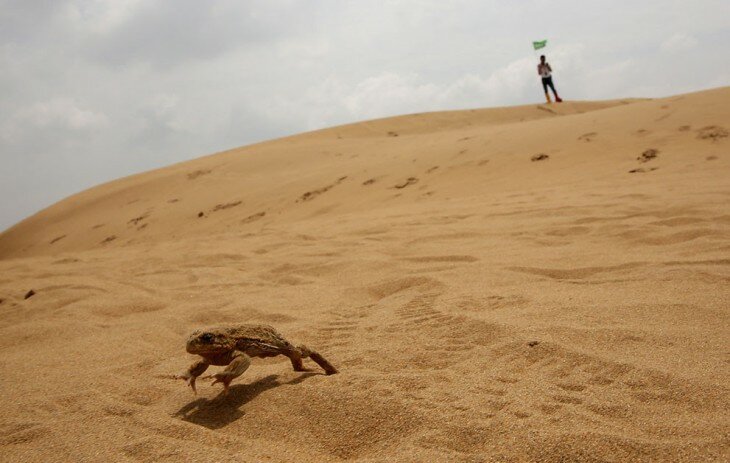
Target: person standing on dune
[[545, 71]]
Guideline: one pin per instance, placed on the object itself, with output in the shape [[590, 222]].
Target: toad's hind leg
[[239, 363], [296, 355]]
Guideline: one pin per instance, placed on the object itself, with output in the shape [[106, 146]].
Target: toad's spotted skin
[[234, 345]]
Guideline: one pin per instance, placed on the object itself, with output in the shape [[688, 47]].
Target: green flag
[[539, 45]]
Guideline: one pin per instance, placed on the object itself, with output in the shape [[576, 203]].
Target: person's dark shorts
[[547, 81]]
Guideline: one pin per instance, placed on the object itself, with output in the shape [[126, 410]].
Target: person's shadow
[[225, 408]]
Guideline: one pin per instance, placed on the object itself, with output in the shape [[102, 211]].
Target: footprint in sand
[[254, 217], [220, 207], [648, 155], [588, 137], [712, 132], [135, 221], [197, 173], [410, 181], [56, 239], [310, 195], [641, 170], [368, 182], [539, 157], [432, 169], [109, 239], [68, 260]]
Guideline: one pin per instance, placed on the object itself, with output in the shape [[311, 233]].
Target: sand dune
[[538, 283]]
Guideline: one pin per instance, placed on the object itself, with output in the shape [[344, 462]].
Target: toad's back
[[249, 335]]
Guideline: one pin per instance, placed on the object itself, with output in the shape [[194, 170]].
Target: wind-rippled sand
[[540, 283]]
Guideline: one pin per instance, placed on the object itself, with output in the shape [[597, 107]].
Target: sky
[[93, 90]]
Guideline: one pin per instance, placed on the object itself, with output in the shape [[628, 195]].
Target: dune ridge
[[537, 283]]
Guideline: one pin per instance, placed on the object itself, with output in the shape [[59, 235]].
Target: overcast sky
[[92, 90]]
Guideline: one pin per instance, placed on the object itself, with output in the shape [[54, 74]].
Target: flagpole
[[541, 44]]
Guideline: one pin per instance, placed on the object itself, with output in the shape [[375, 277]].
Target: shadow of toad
[[224, 409]]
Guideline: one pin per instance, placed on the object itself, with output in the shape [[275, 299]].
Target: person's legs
[[545, 82], [550, 83]]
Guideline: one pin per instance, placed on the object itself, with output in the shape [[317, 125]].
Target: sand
[[538, 283]]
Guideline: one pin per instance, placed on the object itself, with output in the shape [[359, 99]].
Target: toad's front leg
[[239, 363], [192, 373]]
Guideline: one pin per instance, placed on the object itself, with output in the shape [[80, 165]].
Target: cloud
[[64, 113], [169, 33], [61, 115], [678, 43], [388, 93], [101, 16]]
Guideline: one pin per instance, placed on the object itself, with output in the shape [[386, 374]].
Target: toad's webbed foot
[[190, 380], [192, 373], [238, 365], [223, 378]]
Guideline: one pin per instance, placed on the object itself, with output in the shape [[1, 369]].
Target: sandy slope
[[481, 306]]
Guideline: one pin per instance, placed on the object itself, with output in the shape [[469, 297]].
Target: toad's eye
[[207, 337]]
